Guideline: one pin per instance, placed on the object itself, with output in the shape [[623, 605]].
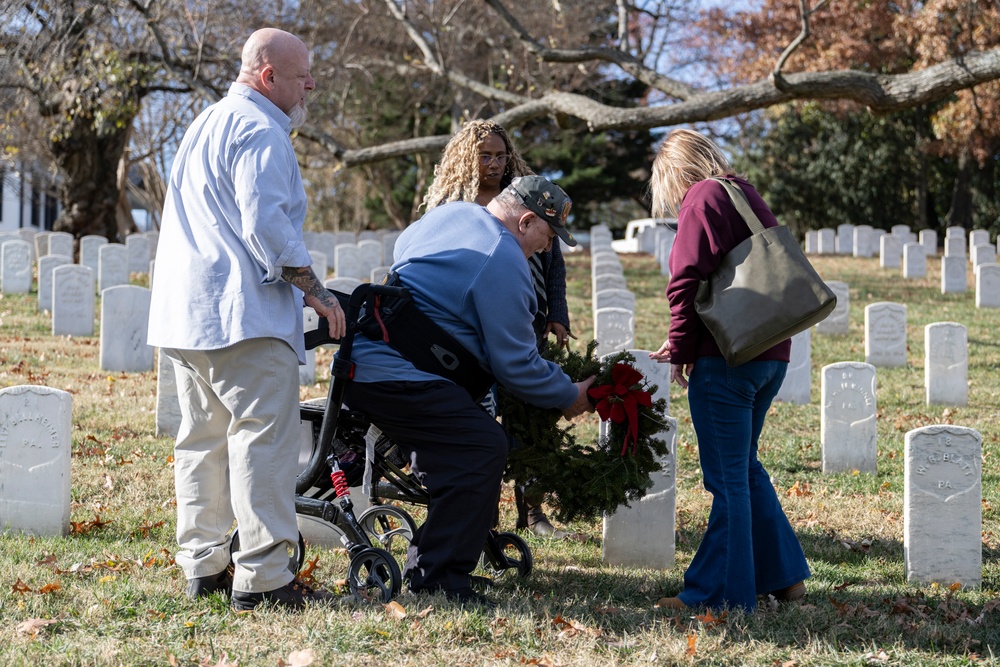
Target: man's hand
[[317, 297], [582, 403]]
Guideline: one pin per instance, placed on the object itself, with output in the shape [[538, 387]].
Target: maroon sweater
[[708, 228]]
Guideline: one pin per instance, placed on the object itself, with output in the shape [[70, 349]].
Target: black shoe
[[294, 595], [481, 582], [200, 587]]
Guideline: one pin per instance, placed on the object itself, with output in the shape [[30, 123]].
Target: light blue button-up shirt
[[232, 219]]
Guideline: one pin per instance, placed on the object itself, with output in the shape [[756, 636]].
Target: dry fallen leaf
[[692, 643], [301, 658], [395, 610], [33, 626]]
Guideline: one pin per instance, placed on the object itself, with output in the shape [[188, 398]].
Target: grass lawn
[[110, 593]]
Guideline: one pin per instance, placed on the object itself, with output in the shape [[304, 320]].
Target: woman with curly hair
[[477, 164]]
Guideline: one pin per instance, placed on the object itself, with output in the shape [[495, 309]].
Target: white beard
[[298, 115]]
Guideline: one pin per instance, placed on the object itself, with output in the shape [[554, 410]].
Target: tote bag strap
[[742, 205]]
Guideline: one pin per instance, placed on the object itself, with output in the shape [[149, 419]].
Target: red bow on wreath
[[617, 401]]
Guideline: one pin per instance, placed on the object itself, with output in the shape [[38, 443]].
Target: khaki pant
[[236, 457]]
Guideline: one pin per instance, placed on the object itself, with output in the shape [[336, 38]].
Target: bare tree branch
[[436, 66], [624, 60], [880, 93], [776, 75]]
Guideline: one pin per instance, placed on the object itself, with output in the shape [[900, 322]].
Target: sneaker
[[200, 587], [293, 595]]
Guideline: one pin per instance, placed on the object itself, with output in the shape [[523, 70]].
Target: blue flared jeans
[[749, 548]]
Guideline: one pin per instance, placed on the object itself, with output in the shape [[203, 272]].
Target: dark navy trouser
[[458, 452]]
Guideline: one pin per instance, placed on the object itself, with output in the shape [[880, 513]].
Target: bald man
[[232, 276]]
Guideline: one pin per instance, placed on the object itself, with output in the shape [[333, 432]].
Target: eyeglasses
[[486, 159]]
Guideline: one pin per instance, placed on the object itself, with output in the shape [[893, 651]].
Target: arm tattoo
[[304, 278]]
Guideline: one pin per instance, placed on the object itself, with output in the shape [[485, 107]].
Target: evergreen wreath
[[585, 480]]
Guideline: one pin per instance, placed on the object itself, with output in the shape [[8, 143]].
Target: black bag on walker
[[398, 322]]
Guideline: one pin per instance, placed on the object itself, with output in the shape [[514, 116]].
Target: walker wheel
[[374, 576], [390, 528], [515, 554]]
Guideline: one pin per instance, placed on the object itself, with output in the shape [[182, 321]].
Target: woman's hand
[[680, 373], [663, 354]]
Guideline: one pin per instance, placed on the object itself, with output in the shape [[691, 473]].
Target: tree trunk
[[89, 190], [960, 213]]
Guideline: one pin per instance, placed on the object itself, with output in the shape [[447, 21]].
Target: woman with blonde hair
[[749, 547], [477, 164]]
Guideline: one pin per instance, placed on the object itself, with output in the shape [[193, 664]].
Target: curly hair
[[456, 176]]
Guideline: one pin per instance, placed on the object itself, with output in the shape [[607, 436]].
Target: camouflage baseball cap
[[546, 200]]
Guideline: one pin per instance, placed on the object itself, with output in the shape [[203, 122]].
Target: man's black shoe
[[200, 587], [293, 595]]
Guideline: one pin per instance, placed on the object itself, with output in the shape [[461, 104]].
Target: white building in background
[[27, 198]]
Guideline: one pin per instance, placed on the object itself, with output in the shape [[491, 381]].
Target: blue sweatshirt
[[469, 274]]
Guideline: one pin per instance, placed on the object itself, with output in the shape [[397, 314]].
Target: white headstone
[[953, 274], [15, 267], [827, 241], [378, 273], [319, 264], [73, 300], [614, 329], [988, 286], [46, 265], [307, 371], [326, 243], [812, 242], [310, 239], [885, 334], [154, 241], [168, 403], [942, 506], [347, 262], [89, 245], [954, 231], [608, 281], [979, 237], [112, 266], [954, 246], [367, 235], [41, 241], [890, 252], [946, 363], [643, 535], [900, 231], [929, 240], [845, 239], [983, 253], [345, 285], [603, 267], [615, 298], [61, 243], [137, 246], [863, 246], [389, 246], [914, 261], [797, 385], [848, 434], [124, 320], [666, 245], [35, 447], [370, 254], [838, 322]]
